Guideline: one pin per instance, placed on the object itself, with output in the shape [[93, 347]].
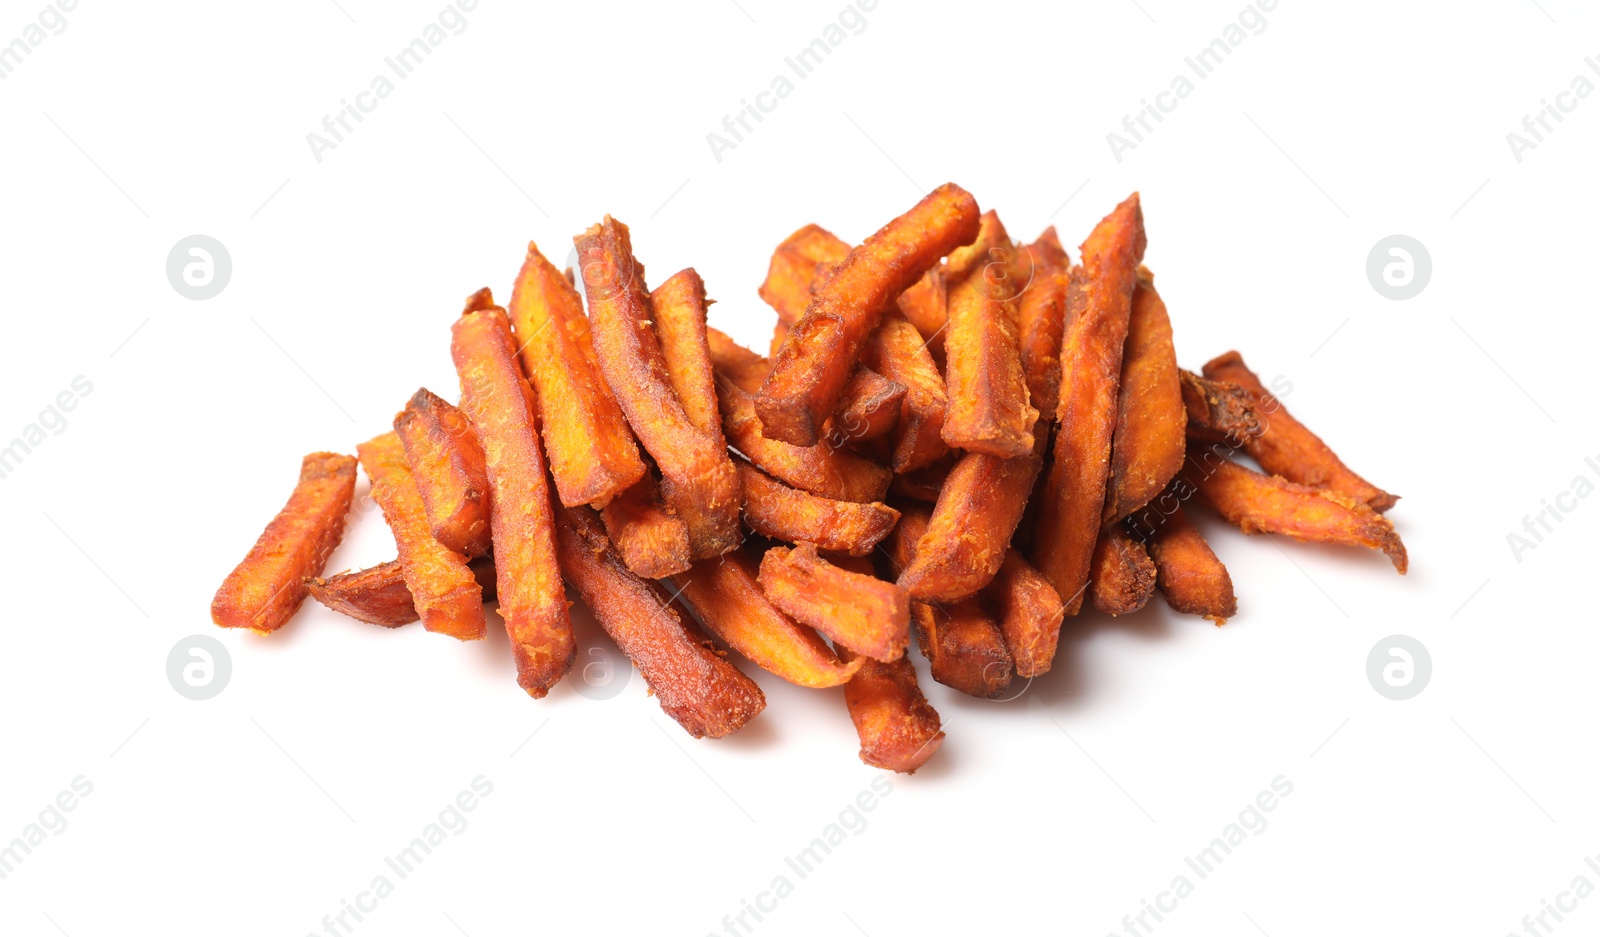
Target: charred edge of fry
[[863, 613], [1188, 573], [899, 731], [964, 647], [378, 595], [1218, 411], [1030, 614], [775, 510], [653, 541], [447, 464], [897, 351], [1147, 445], [1123, 577], [822, 470]]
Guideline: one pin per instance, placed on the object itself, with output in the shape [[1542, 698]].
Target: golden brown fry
[[964, 647], [822, 470], [1257, 503], [1123, 577], [775, 510], [898, 351], [742, 366], [1147, 447], [726, 596], [653, 543], [1099, 302], [1284, 446], [445, 592], [793, 270], [1219, 411], [810, 372], [378, 595], [1030, 614], [977, 512], [1188, 573], [500, 405], [592, 452], [869, 408], [697, 478], [697, 686], [447, 465], [860, 612], [925, 304], [1041, 315], [267, 586], [898, 729]]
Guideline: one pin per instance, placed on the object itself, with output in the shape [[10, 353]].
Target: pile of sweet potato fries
[[954, 435]]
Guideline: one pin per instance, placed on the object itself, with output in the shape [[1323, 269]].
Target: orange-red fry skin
[[780, 334], [1284, 446], [1147, 447], [1041, 315], [925, 304], [978, 509], [923, 484], [863, 613], [378, 594], [500, 405], [775, 510], [823, 470], [1099, 302], [1030, 614], [1257, 503], [446, 594], [899, 731], [794, 267], [1218, 411], [266, 588], [1188, 573], [869, 408], [726, 596], [697, 478], [964, 647], [1123, 577], [741, 365], [653, 542], [591, 450], [811, 370], [447, 465], [899, 352], [483, 298], [697, 686]]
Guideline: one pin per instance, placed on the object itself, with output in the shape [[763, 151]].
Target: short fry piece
[[653, 542], [863, 613], [1030, 614], [1123, 577], [899, 352], [741, 365], [378, 594], [794, 269], [978, 509], [869, 408], [823, 470], [447, 465], [775, 510], [266, 588], [899, 731], [1219, 411], [964, 647], [1188, 573], [1147, 447]]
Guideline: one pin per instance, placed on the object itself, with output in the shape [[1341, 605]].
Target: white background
[[335, 743]]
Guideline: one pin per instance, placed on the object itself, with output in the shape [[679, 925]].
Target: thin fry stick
[[1147, 448], [1188, 573], [447, 465], [863, 613], [898, 351], [822, 470], [378, 595], [775, 510]]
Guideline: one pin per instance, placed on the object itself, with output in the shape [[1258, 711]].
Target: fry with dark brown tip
[[794, 268], [810, 373], [592, 453], [1099, 302], [728, 599], [698, 687], [447, 465], [823, 470], [899, 731], [869, 408], [1188, 573], [500, 405], [1219, 411], [775, 510], [1030, 614], [741, 365], [654, 543], [1147, 447], [978, 509], [443, 589], [1284, 446], [1257, 503], [266, 588], [1123, 577], [378, 594], [898, 351], [860, 612]]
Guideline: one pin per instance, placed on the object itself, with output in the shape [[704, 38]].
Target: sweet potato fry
[[266, 588], [1218, 411], [822, 470], [775, 510], [1188, 573], [869, 407], [863, 613], [1284, 446], [924, 484], [898, 351], [378, 595], [1041, 316], [1123, 578], [742, 366], [447, 465], [925, 304], [726, 596], [653, 542], [500, 405], [899, 731], [810, 372], [697, 686], [1030, 614], [988, 407], [793, 270], [780, 334], [697, 478], [445, 592], [1099, 302], [1257, 503], [592, 453], [1147, 447], [978, 509], [964, 647]]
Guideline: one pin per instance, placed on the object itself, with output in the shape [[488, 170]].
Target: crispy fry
[[810, 372], [775, 510], [898, 351], [447, 465], [1188, 573], [267, 586], [1257, 503], [1147, 447], [964, 647], [1030, 614], [653, 542], [870, 406], [924, 484], [898, 729], [925, 305], [697, 686], [1099, 302], [742, 366], [592, 452], [780, 334], [697, 478], [822, 470], [483, 298], [1284, 446], [793, 270], [863, 613], [500, 405], [726, 596], [1123, 577], [445, 592], [1218, 411], [378, 595], [1041, 316], [973, 520]]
